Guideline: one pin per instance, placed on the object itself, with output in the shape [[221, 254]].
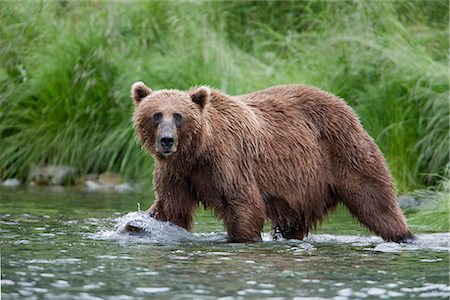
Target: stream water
[[68, 244]]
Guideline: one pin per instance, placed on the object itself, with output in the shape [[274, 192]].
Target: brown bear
[[288, 153]]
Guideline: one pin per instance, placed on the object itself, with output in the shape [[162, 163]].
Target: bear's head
[[168, 122]]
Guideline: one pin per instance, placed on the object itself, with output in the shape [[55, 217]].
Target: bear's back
[[288, 105], [293, 98]]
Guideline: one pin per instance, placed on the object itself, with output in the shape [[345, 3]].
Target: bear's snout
[[166, 142]]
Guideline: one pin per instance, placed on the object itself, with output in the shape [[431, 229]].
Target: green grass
[[66, 68]]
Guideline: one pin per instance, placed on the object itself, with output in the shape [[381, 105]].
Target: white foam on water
[[254, 291], [432, 241], [426, 291], [86, 296], [38, 290], [147, 273], [93, 286], [376, 291], [7, 282], [152, 290], [120, 297], [210, 237], [26, 283], [61, 284], [57, 261], [347, 292]]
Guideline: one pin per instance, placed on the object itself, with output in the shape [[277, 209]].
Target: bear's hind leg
[[289, 232], [243, 225], [285, 222], [243, 213], [374, 205]]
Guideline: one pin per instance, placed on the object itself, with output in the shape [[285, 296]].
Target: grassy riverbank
[[66, 69]]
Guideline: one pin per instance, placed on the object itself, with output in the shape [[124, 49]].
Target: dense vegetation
[[66, 69]]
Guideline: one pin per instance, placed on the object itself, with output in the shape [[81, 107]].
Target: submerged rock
[[52, 175], [11, 182]]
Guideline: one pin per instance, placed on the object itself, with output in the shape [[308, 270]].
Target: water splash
[[139, 227]]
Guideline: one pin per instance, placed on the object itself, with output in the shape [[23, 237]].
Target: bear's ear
[[139, 91], [200, 95]]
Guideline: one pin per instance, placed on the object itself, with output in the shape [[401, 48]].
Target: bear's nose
[[167, 142]]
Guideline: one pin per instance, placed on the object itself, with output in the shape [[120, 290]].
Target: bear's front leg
[[174, 203], [243, 215], [156, 211]]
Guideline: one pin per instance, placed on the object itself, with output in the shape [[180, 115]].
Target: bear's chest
[[205, 188]]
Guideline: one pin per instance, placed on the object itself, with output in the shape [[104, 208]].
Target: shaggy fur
[[288, 153]]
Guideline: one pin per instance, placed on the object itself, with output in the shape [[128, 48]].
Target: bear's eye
[[178, 118], [156, 118]]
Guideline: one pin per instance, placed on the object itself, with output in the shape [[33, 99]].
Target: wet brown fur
[[287, 153]]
